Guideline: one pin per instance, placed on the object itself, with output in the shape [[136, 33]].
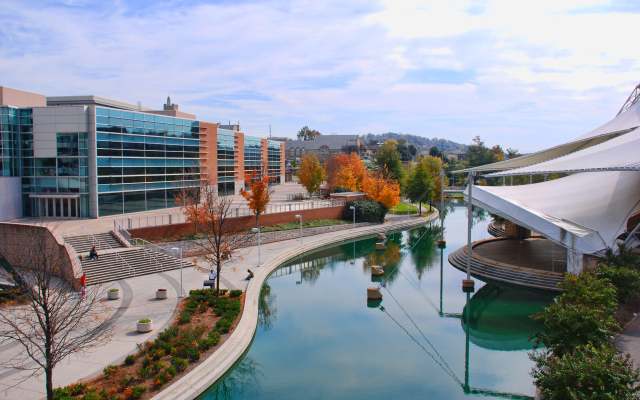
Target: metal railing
[[139, 242], [93, 237], [154, 259], [241, 211], [123, 261]]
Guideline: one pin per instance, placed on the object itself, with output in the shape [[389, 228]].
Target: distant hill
[[421, 143]]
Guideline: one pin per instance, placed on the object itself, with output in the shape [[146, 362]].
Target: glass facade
[[10, 138], [273, 159], [226, 162], [142, 159], [252, 156]]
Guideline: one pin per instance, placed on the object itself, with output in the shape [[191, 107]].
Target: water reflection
[[244, 377], [267, 309], [499, 317]]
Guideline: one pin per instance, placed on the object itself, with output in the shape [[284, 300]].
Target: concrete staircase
[[541, 280], [121, 262], [83, 244]]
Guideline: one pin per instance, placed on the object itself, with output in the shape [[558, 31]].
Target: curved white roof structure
[[620, 125], [582, 212], [619, 154]]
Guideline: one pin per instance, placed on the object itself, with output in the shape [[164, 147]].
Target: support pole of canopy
[[530, 179], [468, 284], [511, 180], [442, 243]]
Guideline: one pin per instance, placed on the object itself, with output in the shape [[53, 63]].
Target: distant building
[[323, 146], [280, 138], [455, 154]]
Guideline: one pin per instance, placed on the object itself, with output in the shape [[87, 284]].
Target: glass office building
[[273, 160]]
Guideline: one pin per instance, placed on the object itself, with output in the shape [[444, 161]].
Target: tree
[[380, 187], [353, 173], [434, 151], [311, 173], [512, 153], [418, 182], [307, 134], [294, 163], [53, 321], [260, 192], [389, 160], [333, 168], [188, 198], [223, 240], [434, 168], [478, 153]]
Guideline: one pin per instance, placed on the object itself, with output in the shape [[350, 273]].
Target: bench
[[209, 283]]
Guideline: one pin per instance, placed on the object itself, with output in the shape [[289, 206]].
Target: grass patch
[[305, 224], [401, 208]]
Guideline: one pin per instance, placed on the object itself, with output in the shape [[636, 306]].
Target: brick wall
[[247, 222]]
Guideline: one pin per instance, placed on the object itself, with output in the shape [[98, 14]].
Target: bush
[[215, 336], [156, 366], [626, 280], [205, 344], [144, 320], [223, 325], [130, 359], [235, 293], [589, 372], [193, 354], [156, 354], [168, 334], [114, 290], [126, 382], [341, 189], [587, 289], [179, 363], [366, 211], [192, 305], [172, 371], [110, 370], [625, 258], [146, 362], [143, 372], [185, 316], [138, 391]]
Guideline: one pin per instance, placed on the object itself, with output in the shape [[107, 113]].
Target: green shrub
[[625, 258], [114, 290], [143, 372], [192, 305], [168, 334], [138, 391], [127, 381], [202, 308], [156, 366], [172, 371], [626, 280], [205, 344], [68, 392], [235, 293], [588, 290], [110, 370], [179, 363], [222, 292], [76, 389], [588, 372], [341, 189], [144, 320], [156, 354], [215, 336], [366, 211], [146, 362], [186, 316], [193, 354], [130, 359], [223, 325], [104, 395], [91, 396]]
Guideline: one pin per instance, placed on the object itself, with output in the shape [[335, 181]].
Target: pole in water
[[468, 284]]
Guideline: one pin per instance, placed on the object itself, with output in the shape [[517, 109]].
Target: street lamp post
[[258, 230], [354, 216], [179, 250], [300, 216]]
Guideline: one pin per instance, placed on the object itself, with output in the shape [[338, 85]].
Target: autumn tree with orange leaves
[[352, 174], [189, 198], [311, 173], [380, 187], [260, 193], [333, 169]]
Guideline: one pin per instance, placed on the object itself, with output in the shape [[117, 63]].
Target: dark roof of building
[[331, 141]]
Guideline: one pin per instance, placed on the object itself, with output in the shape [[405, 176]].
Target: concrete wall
[[10, 198], [47, 121], [247, 222], [12, 238], [20, 98]]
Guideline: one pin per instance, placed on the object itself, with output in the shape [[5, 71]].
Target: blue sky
[[524, 75]]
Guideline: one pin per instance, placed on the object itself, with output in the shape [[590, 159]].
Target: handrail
[[127, 236], [116, 253], [135, 241], [94, 238], [74, 260], [155, 259]]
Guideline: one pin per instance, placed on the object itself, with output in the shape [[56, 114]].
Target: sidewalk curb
[[213, 368]]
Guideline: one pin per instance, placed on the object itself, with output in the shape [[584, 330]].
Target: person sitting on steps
[[250, 274], [93, 254]]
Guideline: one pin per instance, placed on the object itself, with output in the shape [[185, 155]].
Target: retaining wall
[[247, 222]]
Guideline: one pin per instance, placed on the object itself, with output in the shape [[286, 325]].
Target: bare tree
[[224, 240], [53, 320]]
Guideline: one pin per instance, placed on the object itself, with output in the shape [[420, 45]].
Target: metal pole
[[469, 224], [300, 216]]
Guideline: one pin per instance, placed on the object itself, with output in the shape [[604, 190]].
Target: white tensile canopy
[[620, 125], [583, 212], [619, 154]]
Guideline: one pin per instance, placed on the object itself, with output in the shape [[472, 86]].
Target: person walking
[[83, 283]]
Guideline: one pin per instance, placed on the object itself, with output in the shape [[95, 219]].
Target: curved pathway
[[207, 373]]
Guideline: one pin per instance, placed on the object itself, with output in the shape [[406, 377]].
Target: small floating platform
[[382, 236], [468, 285], [442, 244], [373, 294], [377, 270], [380, 246]]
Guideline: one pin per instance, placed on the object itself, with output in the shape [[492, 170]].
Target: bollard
[[377, 270], [380, 246], [468, 285], [382, 236], [373, 293]]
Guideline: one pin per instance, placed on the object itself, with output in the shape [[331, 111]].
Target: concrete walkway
[[138, 301], [629, 341]]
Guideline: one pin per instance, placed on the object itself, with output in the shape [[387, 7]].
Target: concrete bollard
[[380, 246], [376, 270], [373, 293], [381, 236]]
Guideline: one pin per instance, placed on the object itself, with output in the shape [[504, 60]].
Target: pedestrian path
[[138, 301]]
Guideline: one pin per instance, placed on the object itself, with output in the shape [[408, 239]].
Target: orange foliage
[[260, 195], [194, 211], [352, 173], [333, 168], [381, 188]]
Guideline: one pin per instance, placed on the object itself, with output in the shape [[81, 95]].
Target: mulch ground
[[114, 384], [625, 312]]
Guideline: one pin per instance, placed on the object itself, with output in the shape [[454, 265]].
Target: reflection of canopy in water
[[500, 318]]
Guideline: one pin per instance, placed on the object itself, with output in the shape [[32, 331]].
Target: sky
[[525, 75]]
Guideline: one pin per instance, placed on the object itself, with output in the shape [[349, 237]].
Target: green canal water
[[319, 338]]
